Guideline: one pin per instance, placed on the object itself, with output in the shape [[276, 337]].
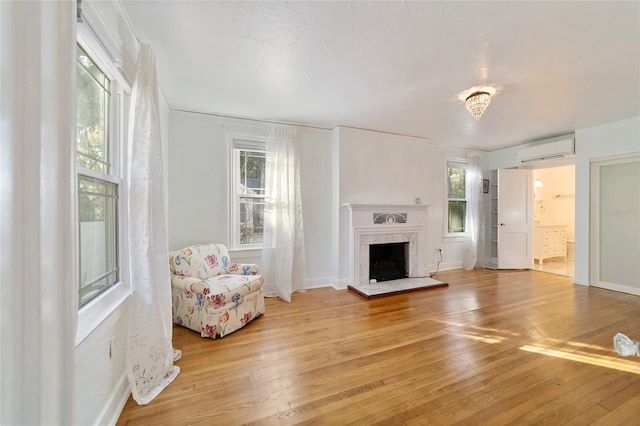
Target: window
[[248, 193], [456, 197], [98, 181]]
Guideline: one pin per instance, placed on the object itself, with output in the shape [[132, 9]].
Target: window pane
[[456, 182], [252, 169], [251, 220], [457, 212], [97, 212], [93, 107]]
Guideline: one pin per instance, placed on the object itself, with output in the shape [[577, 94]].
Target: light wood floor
[[495, 347]]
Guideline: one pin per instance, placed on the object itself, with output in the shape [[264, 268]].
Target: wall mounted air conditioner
[[546, 151]]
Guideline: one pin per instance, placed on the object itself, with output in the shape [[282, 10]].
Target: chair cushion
[[228, 288], [200, 261]]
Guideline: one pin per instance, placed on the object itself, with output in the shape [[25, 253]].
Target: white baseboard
[[326, 282], [320, 282], [619, 287], [444, 266], [341, 284], [117, 400]]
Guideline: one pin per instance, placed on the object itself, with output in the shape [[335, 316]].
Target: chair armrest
[[243, 269], [188, 284]]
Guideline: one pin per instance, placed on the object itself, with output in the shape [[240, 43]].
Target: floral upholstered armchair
[[212, 295]]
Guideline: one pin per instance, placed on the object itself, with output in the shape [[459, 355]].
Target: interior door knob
[[502, 224]]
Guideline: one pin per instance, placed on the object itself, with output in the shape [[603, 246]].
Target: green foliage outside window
[[252, 192], [97, 194], [93, 112], [457, 204]]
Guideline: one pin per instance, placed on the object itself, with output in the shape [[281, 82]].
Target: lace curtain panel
[[150, 354], [283, 254], [474, 216]]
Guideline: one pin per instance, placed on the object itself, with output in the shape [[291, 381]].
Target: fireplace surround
[[371, 224]]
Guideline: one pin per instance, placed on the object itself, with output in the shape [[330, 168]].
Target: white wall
[[316, 175], [198, 194], [619, 138], [384, 168], [593, 144], [340, 166], [100, 377], [199, 189]]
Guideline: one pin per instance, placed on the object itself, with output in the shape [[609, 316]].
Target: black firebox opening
[[387, 261]]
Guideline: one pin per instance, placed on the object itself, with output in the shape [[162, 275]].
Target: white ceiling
[[400, 67]]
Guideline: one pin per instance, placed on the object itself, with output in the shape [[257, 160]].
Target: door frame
[[550, 164]]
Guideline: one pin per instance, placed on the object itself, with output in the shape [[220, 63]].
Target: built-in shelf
[[491, 265], [494, 231]]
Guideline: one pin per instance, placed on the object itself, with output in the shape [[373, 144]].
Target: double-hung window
[[98, 177], [456, 197], [248, 193]]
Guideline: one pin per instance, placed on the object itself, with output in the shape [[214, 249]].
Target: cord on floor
[[431, 275]]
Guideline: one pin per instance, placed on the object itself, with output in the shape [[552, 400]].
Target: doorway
[[554, 220]]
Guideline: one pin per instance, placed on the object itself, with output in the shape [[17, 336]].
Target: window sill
[[462, 236], [93, 314], [245, 253]]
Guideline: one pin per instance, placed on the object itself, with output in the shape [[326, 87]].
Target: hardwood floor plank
[[494, 347]]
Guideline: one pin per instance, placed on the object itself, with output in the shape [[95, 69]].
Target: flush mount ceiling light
[[477, 102]]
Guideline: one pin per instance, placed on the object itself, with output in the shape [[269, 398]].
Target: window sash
[[456, 223], [98, 237], [251, 220], [456, 190], [92, 145], [456, 197], [97, 179], [248, 193]]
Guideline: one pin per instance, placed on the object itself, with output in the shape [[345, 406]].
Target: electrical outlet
[[112, 346], [438, 247], [417, 200]]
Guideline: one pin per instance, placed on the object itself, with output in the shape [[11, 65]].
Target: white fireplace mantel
[[386, 206], [385, 223]]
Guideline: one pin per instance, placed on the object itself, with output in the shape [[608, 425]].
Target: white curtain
[[38, 266], [475, 214], [283, 250], [150, 354]]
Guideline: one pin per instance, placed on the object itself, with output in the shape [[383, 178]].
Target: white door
[[515, 219]]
